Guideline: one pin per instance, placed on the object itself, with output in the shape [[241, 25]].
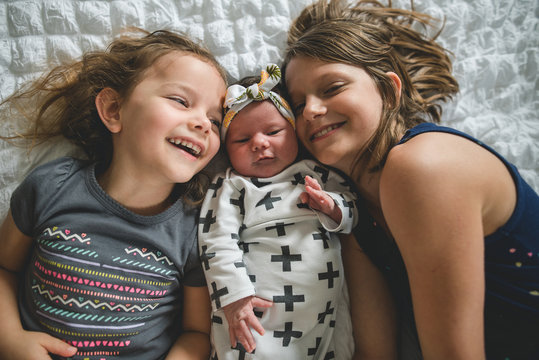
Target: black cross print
[[259, 183], [322, 236], [245, 245], [298, 179], [302, 206], [239, 202], [322, 316], [286, 258], [205, 257], [239, 264], [288, 298], [324, 173], [312, 351], [349, 205], [329, 275], [207, 221], [216, 294], [330, 355], [268, 201], [215, 186], [242, 351], [287, 334], [216, 319], [280, 227]]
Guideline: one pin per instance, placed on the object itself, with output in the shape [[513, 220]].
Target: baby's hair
[[63, 100], [379, 39]]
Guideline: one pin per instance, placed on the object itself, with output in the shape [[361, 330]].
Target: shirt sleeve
[[220, 224], [194, 274], [32, 197]]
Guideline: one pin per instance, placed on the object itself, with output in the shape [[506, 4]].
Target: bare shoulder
[[440, 170]]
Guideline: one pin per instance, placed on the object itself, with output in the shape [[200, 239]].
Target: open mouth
[[186, 146], [325, 130]]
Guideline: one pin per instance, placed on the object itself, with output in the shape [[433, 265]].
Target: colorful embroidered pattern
[[96, 298]]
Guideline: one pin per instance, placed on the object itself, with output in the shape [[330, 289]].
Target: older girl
[[446, 220]]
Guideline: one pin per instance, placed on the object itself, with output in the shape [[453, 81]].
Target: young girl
[[99, 257], [447, 221], [272, 263]]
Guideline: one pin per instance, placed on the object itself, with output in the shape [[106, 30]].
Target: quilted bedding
[[495, 47]]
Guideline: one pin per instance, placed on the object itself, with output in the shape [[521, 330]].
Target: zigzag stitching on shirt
[[95, 304], [94, 284], [102, 274], [53, 232], [86, 317], [135, 250], [88, 335]]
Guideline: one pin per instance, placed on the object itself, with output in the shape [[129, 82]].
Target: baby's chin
[[267, 170]]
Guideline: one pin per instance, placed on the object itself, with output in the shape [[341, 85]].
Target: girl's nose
[[201, 122], [314, 107]]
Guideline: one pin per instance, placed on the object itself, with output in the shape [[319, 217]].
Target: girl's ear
[[107, 103], [397, 82]]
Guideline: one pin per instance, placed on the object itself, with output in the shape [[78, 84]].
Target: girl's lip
[[324, 132], [190, 146]]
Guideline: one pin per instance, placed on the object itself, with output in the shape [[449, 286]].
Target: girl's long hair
[[379, 39]]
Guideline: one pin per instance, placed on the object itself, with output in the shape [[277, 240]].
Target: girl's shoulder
[[441, 161], [53, 173], [435, 168]]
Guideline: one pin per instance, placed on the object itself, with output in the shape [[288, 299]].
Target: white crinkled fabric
[[495, 48]]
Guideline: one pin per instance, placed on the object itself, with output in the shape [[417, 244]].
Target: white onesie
[[256, 238]]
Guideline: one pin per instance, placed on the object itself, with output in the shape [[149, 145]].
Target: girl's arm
[[371, 307], [439, 193], [194, 342], [15, 342]]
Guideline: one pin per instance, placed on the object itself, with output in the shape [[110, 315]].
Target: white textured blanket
[[495, 45]]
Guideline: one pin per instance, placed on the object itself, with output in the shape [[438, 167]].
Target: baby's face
[[260, 142]]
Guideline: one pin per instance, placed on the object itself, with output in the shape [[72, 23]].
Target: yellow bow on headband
[[238, 97]]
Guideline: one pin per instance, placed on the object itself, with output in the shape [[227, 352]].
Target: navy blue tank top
[[511, 269]]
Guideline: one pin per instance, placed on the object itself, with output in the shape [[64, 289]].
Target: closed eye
[[274, 132], [179, 101], [333, 89]]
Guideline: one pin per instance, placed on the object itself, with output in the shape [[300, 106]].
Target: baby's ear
[[107, 103]]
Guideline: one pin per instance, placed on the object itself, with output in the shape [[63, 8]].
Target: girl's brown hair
[[379, 39], [63, 100]]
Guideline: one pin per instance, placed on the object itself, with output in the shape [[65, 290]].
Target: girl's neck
[[368, 185], [135, 194]]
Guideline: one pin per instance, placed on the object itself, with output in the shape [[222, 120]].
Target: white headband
[[238, 97]]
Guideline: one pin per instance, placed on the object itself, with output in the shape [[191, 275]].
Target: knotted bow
[[238, 97]]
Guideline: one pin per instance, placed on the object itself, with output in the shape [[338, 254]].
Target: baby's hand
[[35, 345], [241, 318], [318, 199]]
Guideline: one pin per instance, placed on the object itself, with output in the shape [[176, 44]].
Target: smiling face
[[169, 123], [260, 142], [337, 108]]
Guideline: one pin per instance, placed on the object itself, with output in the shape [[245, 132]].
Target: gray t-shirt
[[101, 277]]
